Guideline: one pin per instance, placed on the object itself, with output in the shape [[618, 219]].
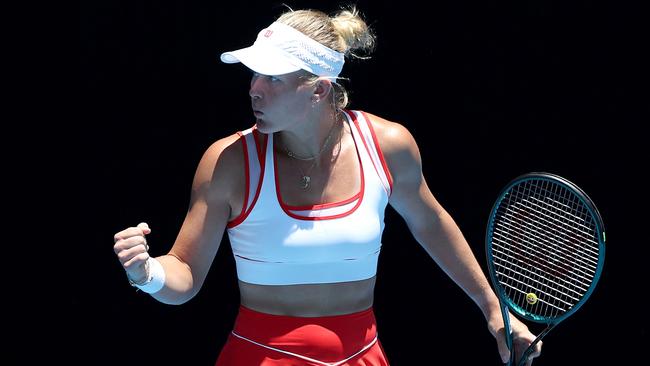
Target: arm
[[188, 262], [435, 230], [432, 227]]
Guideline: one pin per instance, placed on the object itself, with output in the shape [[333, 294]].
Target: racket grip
[[508, 333]]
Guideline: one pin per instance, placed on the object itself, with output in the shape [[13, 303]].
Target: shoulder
[[396, 141], [221, 153], [400, 151], [402, 157], [221, 168]]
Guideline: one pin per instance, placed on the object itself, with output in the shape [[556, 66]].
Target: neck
[[314, 140]]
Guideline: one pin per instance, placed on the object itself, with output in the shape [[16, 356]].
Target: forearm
[[445, 243], [179, 282]]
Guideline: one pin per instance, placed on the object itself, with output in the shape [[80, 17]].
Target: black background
[[489, 89]]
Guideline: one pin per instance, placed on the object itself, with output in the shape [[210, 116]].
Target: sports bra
[[277, 244]]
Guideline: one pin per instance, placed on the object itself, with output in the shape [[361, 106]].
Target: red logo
[[268, 33]]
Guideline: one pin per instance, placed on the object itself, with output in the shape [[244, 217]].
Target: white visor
[[281, 49]]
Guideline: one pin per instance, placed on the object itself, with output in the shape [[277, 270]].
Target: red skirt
[[260, 339]]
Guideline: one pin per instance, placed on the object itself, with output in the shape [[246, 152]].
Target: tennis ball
[[531, 298]]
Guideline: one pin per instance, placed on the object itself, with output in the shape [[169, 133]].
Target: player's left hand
[[521, 339]]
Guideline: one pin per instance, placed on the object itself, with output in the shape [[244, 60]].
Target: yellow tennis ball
[[531, 298]]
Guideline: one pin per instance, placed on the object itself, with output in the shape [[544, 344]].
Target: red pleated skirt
[[260, 339]]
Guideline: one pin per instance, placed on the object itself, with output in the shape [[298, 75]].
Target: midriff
[[309, 300]]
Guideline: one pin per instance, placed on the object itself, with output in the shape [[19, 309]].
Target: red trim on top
[[286, 208], [323, 205], [260, 152], [365, 144], [384, 165], [239, 219]]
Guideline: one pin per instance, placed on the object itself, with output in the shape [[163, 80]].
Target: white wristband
[[156, 279]]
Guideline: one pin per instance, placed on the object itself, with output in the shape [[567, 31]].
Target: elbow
[[181, 284], [174, 297], [177, 301]]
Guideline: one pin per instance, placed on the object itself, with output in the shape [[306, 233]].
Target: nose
[[255, 91]]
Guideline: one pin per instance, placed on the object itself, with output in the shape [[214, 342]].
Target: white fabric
[[281, 49], [377, 161], [253, 172], [274, 244], [156, 280]]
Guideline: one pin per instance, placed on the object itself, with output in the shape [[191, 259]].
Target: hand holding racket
[[545, 245]]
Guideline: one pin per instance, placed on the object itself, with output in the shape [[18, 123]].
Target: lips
[[257, 113]]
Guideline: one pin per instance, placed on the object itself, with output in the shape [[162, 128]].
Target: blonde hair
[[345, 32]]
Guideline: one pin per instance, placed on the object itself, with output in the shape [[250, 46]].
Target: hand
[[131, 249], [521, 339]]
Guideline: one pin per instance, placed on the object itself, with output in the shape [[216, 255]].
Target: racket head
[[545, 247]]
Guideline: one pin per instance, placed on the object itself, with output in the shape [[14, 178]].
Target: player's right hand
[[131, 248]]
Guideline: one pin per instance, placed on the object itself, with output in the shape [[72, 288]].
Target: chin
[[263, 126]]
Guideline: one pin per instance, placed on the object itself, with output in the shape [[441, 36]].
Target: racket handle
[[508, 333], [530, 348]]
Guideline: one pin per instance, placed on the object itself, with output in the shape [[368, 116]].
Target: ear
[[322, 89]]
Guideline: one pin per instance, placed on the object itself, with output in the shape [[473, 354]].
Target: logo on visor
[[268, 33]]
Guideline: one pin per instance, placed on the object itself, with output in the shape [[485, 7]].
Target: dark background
[[489, 89]]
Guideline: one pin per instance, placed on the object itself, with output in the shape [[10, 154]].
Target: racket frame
[[505, 302]]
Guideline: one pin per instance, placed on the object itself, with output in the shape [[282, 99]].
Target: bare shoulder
[[395, 140], [221, 167], [403, 159]]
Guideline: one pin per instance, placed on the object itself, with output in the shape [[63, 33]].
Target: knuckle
[[132, 241], [123, 256], [124, 234], [128, 264]]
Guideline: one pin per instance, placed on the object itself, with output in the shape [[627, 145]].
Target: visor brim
[[262, 60]]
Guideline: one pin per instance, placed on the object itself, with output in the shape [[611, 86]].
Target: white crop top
[[277, 244]]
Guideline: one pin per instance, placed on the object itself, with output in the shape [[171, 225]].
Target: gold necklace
[[305, 178]]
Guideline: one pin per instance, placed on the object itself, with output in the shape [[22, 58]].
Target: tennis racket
[[545, 245]]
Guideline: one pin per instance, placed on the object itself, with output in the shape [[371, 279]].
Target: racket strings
[[547, 287], [538, 244], [544, 243]]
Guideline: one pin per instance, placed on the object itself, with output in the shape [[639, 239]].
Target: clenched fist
[[131, 249]]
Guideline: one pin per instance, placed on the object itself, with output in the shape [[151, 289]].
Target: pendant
[[305, 181]]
